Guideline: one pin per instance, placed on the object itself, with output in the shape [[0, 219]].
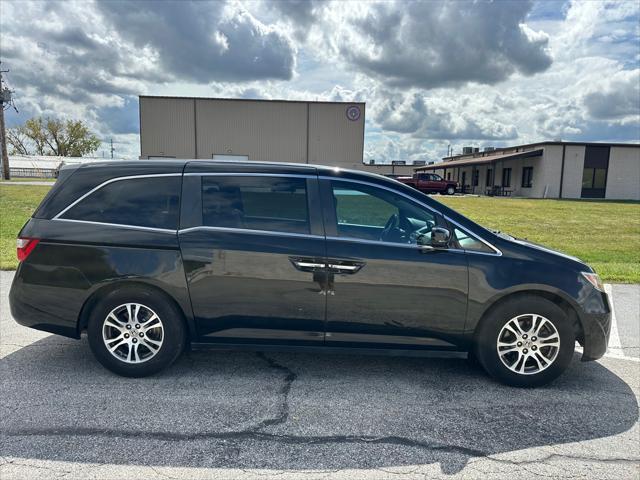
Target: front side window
[[144, 202], [470, 243], [370, 213], [255, 203]]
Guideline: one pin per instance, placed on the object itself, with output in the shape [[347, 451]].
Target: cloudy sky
[[432, 73]]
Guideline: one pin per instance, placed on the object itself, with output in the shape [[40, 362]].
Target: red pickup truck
[[430, 183]]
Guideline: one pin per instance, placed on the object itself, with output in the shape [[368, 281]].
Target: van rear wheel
[[525, 342], [135, 332]]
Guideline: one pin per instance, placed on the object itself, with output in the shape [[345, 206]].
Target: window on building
[[506, 177], [594, 178], [489, 179], [464, 178], [142, 202], [527, 177], [594, 175], [228, 156], [476, 177], [255, 203], [371, 213], [448, 175]]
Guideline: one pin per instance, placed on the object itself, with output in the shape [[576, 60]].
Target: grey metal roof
[[464, 162]]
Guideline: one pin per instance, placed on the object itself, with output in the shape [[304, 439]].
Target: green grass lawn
[[17, 203], [29, 179], [604, 234]]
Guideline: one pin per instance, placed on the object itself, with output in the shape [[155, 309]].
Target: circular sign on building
[[353, 113]]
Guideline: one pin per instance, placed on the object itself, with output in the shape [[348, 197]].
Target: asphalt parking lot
[[293, 415]]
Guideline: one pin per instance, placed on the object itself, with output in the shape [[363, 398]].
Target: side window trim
[[119, 225], [331, 228], [107, 182]]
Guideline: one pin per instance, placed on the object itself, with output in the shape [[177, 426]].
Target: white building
[[43, 166], [548, 170]]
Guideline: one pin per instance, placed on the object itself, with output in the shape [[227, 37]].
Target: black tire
[[450, 191], [173, 333], [486, 349]]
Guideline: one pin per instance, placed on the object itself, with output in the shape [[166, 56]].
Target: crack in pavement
[[283, 414], [251, 434]]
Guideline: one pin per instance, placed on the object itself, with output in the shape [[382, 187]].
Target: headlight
[[594, 280]]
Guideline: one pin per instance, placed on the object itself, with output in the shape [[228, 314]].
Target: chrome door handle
[[347, 268], [307, 264]]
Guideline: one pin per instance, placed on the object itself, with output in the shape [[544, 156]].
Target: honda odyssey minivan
[[150, 257]]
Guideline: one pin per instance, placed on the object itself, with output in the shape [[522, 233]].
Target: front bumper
[[596, 327]]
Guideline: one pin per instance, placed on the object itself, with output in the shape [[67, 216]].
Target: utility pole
[[112, 149], [5, 97]]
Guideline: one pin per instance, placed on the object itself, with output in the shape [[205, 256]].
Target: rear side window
[[255, 203], [142, 202]]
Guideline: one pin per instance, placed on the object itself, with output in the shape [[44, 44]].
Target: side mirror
[[440, 237]]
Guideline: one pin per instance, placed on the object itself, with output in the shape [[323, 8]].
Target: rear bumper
[[596, 328], [23, 304]]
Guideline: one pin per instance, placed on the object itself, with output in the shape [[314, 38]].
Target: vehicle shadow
[[292, 411]]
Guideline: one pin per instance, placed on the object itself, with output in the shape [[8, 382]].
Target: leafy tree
[[49, 136], [18, 141]]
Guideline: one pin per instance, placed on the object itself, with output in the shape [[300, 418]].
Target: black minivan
[[149, 257]]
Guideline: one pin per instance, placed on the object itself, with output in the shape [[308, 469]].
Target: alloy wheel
[[528, 344], [133, 333]]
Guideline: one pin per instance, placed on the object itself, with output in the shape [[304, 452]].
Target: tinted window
[[256, 203], [469, 242], [145, 202], [375, 214]]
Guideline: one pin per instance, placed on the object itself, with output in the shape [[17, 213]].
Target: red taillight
[[25, 246]]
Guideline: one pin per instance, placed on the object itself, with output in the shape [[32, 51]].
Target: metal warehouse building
[[548, 170], [329, 133]]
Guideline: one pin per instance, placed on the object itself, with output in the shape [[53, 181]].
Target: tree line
[[50, 136]]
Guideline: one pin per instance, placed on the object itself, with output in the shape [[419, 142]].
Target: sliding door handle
[[308, 264], [345, 268]]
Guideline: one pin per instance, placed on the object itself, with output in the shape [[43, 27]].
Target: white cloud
[[434, 44], [617, 97], [431, 73]]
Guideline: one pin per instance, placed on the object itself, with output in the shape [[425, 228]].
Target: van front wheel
[[525, 342]]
